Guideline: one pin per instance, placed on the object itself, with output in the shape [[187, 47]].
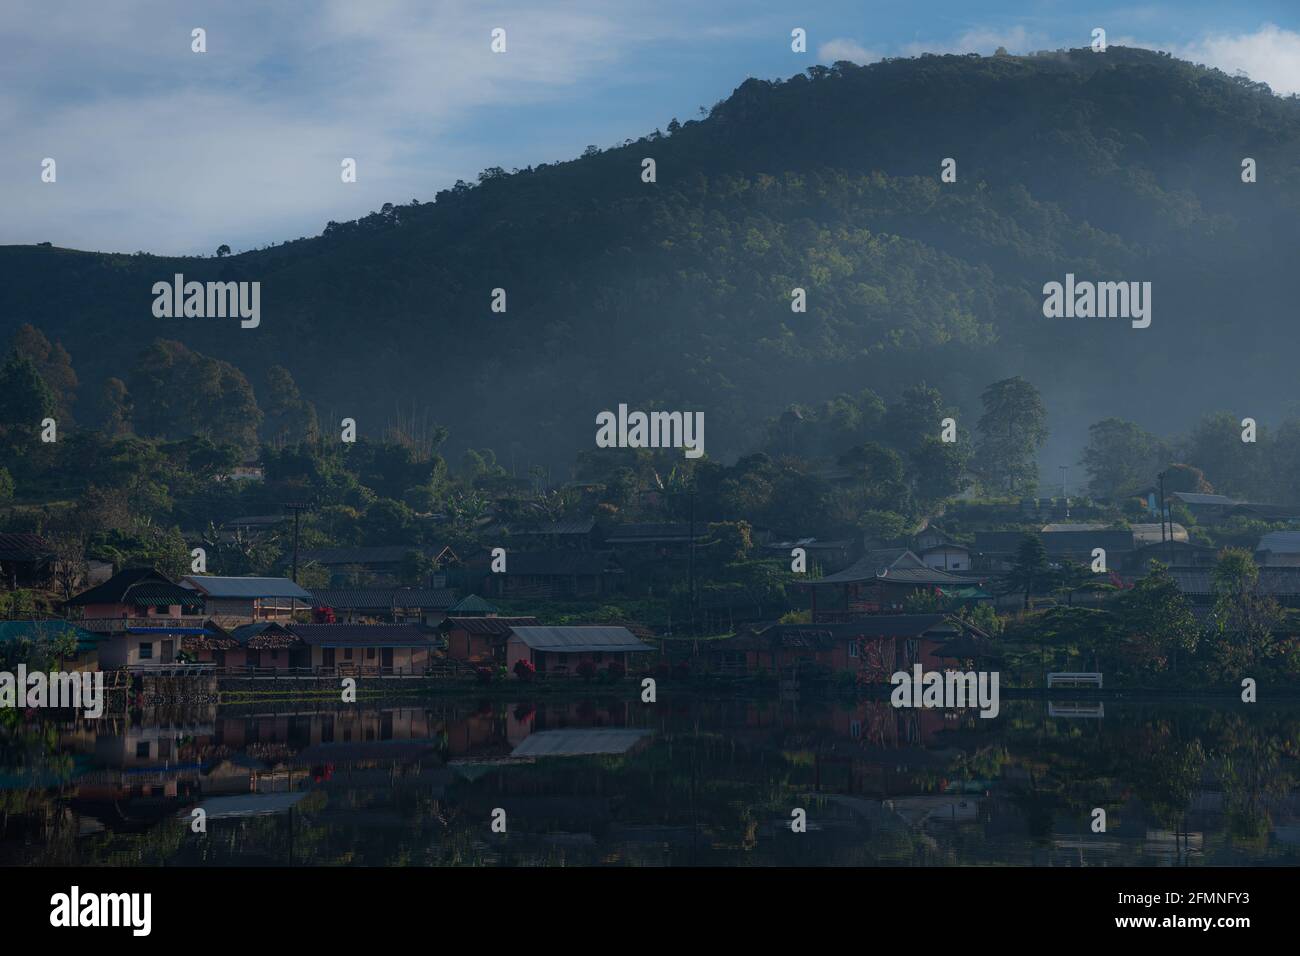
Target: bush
[[525, 670]]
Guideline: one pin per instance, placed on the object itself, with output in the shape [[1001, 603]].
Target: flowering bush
[[525, 670]]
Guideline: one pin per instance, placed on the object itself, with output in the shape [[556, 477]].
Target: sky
[[164, 150]]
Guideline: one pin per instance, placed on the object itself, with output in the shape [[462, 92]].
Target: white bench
[[1074, 678]]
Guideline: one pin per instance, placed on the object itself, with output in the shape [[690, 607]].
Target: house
[[1279, 549], [829, 556], [368, 649], [937, 550], [260, 645], [582, 534], [877, 583], [996, 550], [84, 657], [480, 640], [145, 614], [1204, 507], [546, 574], [244, 600], [872, 648], [26, 560], [663, 539], [1281, 583], [426, 606], [381, 564], [561, 650], [1170, 553]]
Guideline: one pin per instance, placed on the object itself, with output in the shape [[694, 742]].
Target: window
[[146, 651], [347, 653], [142, 749], [853, 648], [855, 729], [598, 657], [370, 653]]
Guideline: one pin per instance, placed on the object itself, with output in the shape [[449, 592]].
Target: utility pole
[[1163, 543], [297, 508], [1064, 497], [694, 633]]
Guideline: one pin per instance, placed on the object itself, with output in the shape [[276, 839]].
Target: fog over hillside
[[1123, 167]]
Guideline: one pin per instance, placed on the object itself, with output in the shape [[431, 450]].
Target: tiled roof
[[472, 604], [153, 587], [24, 547], [892, 564], [487, 625], [1272, 580]]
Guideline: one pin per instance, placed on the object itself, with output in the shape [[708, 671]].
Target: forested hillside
[[677, 294]]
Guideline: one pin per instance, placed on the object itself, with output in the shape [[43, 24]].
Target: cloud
[[162, 149], [843, 48], [1269, 55], [1016, 40]]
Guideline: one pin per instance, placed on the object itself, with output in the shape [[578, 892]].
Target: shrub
[[525, 670]]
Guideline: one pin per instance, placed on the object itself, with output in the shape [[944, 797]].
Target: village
[[858, 615]]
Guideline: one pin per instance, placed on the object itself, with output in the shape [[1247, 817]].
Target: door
[[386, 658], [168, 652], [327, 657]]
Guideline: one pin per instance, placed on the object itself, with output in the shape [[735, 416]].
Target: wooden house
[[872, 648], [877, 583], [551, 574], [562, 650], [233, 601], [26, 560], [480, 639], [379, 565], [145, 614], [426, 606]]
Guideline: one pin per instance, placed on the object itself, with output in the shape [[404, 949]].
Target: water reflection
[[685, 781]]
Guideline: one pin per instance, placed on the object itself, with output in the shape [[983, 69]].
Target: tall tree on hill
[[1011, 430], [1121, 458], [54, 364], [25, 399], [178, 392]]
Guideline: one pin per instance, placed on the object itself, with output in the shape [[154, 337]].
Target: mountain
[[1123, 166]]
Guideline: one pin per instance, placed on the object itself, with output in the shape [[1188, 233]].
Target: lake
[[690, 780]]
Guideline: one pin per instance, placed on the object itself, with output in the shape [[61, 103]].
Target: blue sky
[[170, 151]]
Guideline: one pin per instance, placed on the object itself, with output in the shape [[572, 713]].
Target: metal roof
[[487, 625], [222, 587], [47, 630], [578, 639], [1280, 542], [580, 741]]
